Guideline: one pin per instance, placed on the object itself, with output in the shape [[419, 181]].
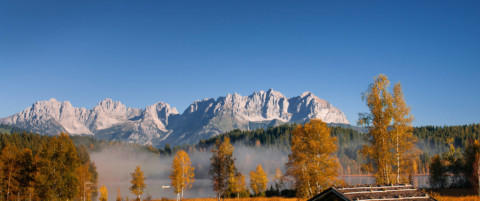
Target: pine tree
[[476, 174], [438, 177], [103, 193], [472, 163], [182, 175], [258, 181], [138, 183], [312, 163]]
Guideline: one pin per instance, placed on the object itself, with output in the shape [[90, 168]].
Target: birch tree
[[103, 193], [222, 166], [84, 177], [378, 153], [138, 183], [182, 175], [391, 150], [258, 181], [403, 135], [312, 163]]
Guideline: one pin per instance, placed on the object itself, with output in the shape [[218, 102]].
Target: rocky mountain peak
[[160, 123], [306, 94]]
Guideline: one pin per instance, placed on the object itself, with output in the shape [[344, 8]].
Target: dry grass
[[451, 198], [241, 199], [436, 196], [454, 195], [444, 195]]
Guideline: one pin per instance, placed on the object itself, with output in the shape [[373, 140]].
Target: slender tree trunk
[[84, 190], [9, 180], [138, 196], [398, 161], [183, 176], [478, 173]]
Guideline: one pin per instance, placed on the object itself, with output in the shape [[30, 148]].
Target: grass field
[[441, 195], [242, 199], [450, 195], [454, 195]]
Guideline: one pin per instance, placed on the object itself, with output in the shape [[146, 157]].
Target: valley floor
[[240, 199], [444, 195], [454, 195]]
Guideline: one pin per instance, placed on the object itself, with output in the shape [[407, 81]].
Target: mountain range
[[160, 123]]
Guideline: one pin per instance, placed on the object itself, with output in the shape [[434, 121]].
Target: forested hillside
[[431, 140], [36, 167]]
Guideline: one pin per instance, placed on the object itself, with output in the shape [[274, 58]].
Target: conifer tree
[[438, 177], [312, 163], [182, 175], [472, 163], [476, 174], [138, 183]]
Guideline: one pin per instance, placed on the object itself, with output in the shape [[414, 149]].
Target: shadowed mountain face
[[159, 123]]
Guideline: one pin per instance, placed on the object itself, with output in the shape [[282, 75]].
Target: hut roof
[[373, 193]]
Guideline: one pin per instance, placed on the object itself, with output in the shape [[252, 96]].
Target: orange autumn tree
[[222, 167], [390, 152], [84, 177], [258, 181], [239, 186], [138, 183], [312, 162], [182, 175], [404, 140], [9, 172], [103, 193]]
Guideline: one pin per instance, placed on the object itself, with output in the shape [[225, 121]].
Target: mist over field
[[115, 164]]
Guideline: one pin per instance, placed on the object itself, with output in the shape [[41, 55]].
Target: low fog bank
[[114, 166]]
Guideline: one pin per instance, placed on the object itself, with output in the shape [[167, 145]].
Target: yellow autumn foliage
[[182, 175], [312, 162]]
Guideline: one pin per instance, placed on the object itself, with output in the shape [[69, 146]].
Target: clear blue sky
[[142, 52]]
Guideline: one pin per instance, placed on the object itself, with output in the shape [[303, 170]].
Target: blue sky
[[142, 52]]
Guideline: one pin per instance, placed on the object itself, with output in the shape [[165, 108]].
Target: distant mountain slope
[[160, 123]]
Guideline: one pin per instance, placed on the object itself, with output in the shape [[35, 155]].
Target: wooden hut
[[373, 193]]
